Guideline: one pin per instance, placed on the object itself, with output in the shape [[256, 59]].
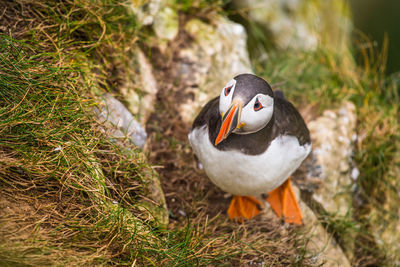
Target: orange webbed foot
[[283, 202], [244, 207]]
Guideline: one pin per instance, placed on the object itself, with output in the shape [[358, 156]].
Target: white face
[[254, 116], [225, 99], [257, 113]]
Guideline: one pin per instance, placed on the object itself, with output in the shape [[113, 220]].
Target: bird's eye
[[257, 105], [228, 90]]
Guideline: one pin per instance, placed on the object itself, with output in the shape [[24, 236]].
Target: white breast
[[249, 175]]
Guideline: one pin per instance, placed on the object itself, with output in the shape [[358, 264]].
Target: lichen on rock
[[157, 207], [333, 136], [145, 10], [122, 124], [166, 24]]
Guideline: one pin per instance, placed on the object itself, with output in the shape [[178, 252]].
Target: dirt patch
[[15, 18]]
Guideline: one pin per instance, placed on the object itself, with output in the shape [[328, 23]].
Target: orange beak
[[230, 121]]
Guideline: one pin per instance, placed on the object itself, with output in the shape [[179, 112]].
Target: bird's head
[[246, 105]]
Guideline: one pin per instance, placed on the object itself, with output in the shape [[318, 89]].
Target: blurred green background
[[373, 19]]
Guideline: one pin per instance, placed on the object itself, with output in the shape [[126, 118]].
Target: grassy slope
[[59, 175], [58, 172]]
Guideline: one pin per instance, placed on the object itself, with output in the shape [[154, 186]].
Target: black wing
[[208, 115], [288, 121]]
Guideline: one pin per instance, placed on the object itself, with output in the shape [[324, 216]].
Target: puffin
[[249, 140]]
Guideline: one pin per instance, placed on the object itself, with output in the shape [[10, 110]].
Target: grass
[[51, 156]]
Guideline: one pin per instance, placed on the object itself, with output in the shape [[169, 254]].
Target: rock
[[321, 245], [217, 54], [139, 87], [166, 24], [329, 171], [299, 24], [145, 10], [114, 112], [332, 135]]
